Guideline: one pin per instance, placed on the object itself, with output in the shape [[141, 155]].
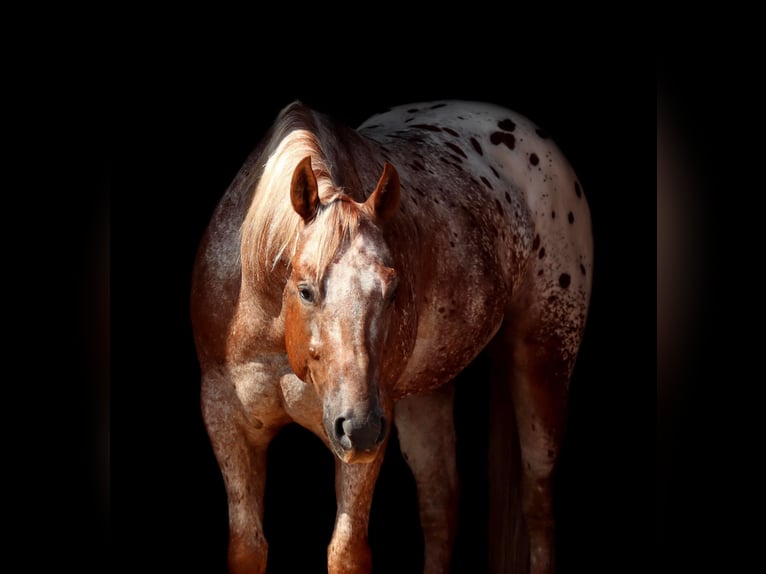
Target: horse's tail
[[508, 543]]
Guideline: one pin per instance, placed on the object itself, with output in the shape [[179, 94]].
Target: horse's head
[[338, 304]]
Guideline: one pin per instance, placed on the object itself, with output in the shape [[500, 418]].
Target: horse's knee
[[349, 552], [349, 557], [248, 556]]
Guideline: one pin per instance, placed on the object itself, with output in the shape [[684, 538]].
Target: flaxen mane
[[271, 226]]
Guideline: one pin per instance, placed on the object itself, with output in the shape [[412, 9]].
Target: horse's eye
[[306, 293], [392, 294], [392, 291]]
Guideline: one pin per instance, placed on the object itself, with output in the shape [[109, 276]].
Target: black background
[[180, 125]]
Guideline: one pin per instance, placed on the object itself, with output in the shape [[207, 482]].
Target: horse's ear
[[384, 201], [304, 192]]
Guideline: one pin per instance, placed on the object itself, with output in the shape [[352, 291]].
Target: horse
[[348, 275]]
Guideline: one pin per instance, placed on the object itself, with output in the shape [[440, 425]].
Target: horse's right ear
[[304, 191]]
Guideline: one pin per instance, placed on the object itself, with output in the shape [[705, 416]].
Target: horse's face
[[337, 322]]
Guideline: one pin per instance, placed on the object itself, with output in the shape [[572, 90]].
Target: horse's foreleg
[[245, 473], [240, 448], [349, 550], [426, 430]]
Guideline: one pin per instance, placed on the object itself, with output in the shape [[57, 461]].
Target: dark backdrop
[[181, 124]]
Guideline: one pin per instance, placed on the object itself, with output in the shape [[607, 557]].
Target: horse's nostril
[[340, 433]]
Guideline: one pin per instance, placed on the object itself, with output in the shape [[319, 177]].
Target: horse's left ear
[[384, 201]]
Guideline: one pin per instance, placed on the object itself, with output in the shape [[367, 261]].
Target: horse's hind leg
[[539, 397], [539, 384], [426, 431], [240, 449]]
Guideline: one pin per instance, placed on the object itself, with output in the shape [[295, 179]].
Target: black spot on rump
[[542, 253], [501, 137], [456, 149], [536, 243], [451, 132], [497, 175], [582, 268], [564, 280], [533, 159], [507, 197], [553, 215], [571, 217], [437, 106], [506, 125], [476, 146], [486, 182], [499, 207]]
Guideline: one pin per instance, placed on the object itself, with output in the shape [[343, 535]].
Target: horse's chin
[[356, 456]]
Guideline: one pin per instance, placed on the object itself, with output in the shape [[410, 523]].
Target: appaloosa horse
[[348, 275]]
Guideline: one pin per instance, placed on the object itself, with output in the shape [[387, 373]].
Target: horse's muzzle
[[356, 437]]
